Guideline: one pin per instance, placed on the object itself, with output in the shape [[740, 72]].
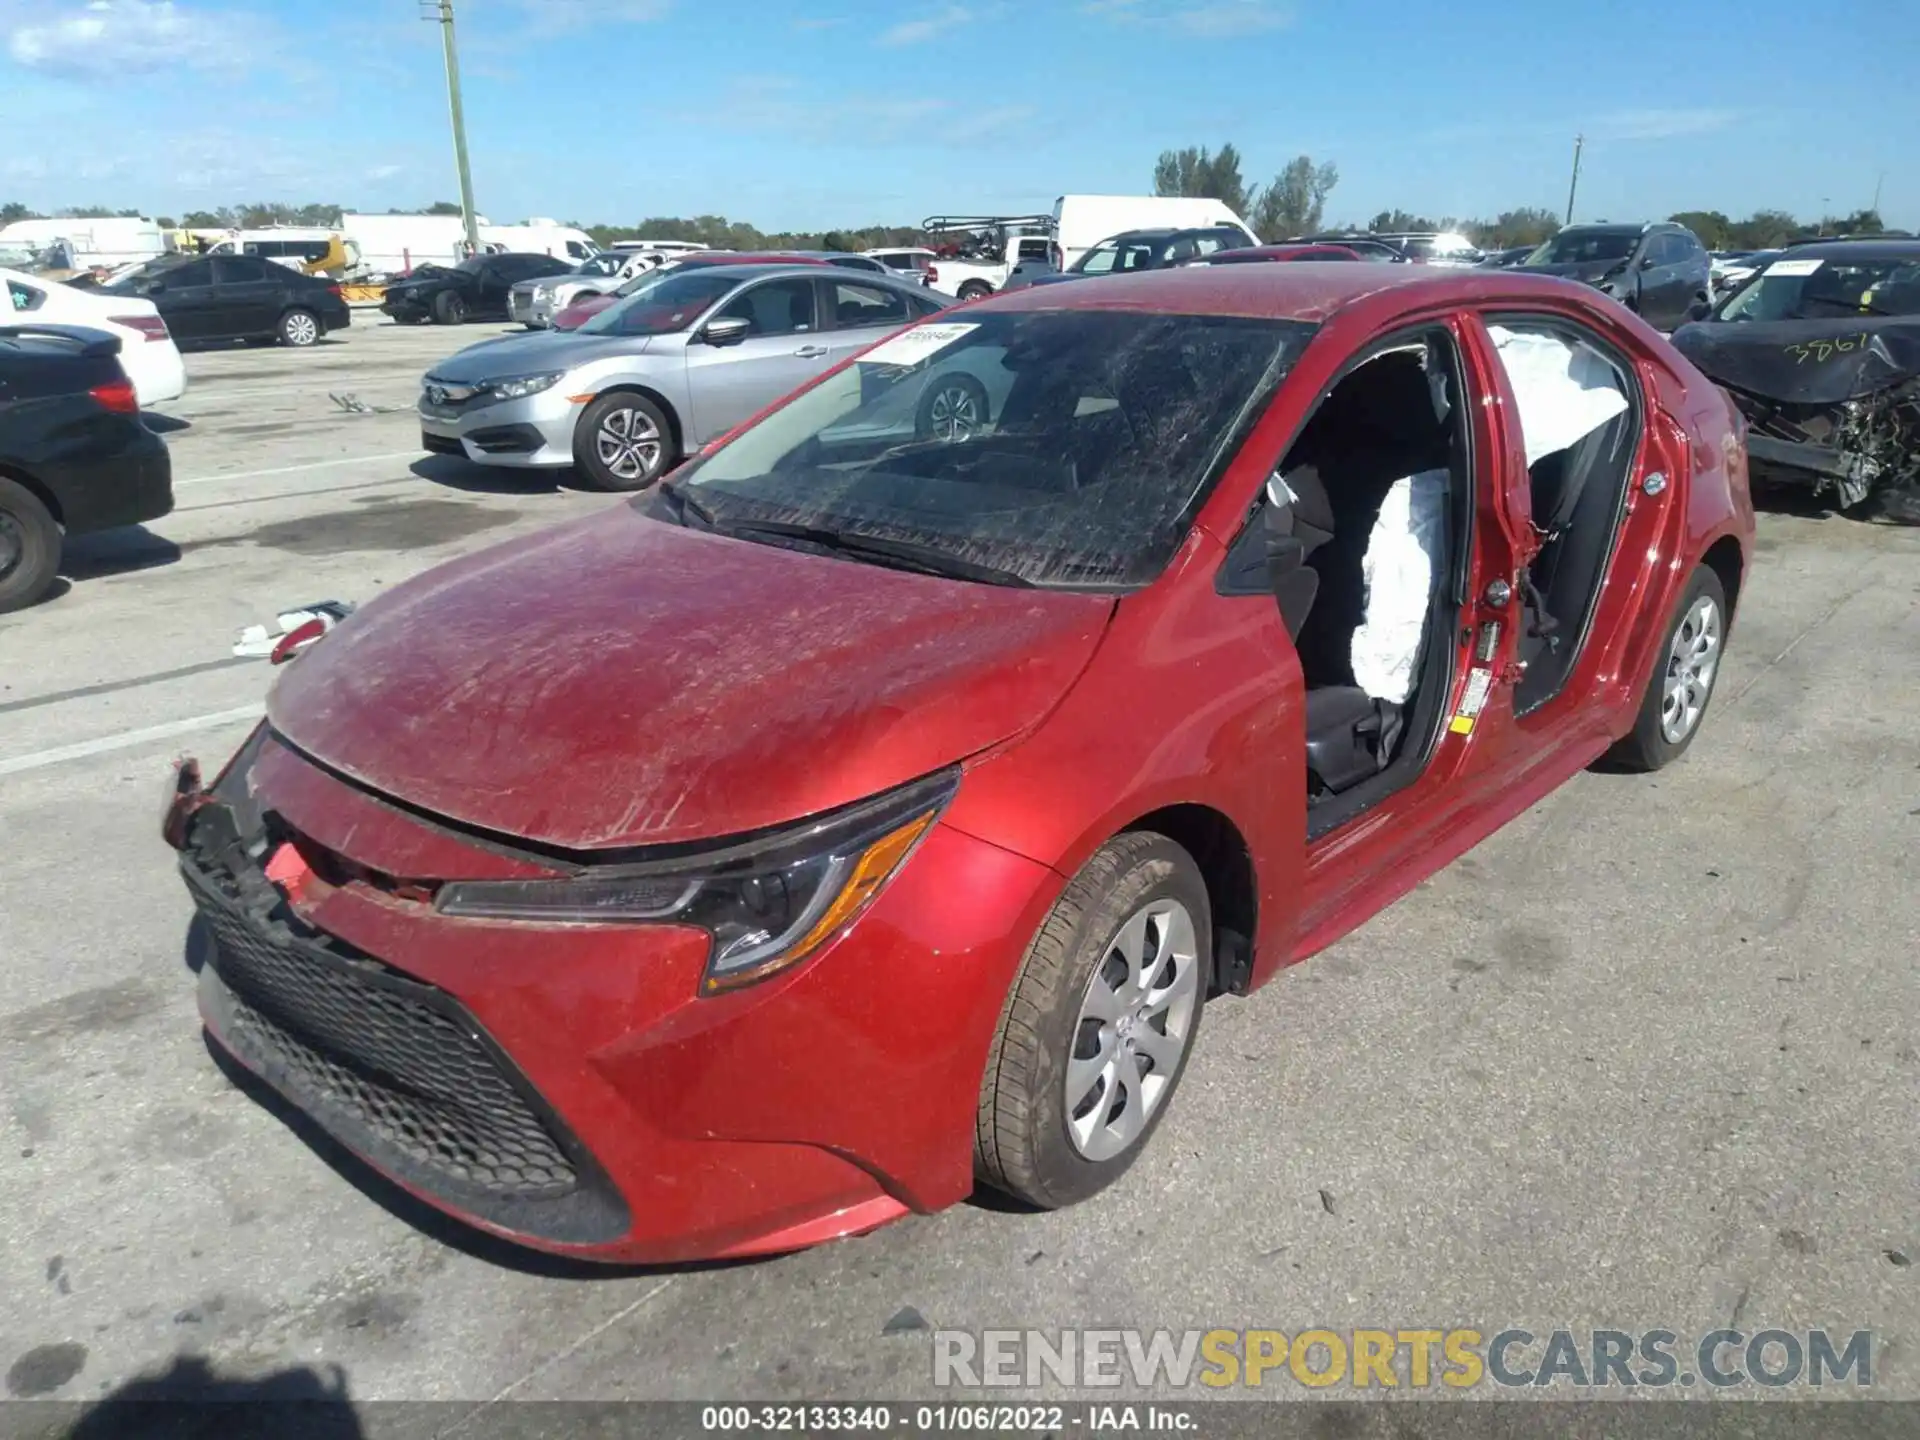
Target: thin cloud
[[563, 16], [1662, 124], [123, 37], [929, 27], [384, 172], [1209, 20], [820, 22], [783, 105]]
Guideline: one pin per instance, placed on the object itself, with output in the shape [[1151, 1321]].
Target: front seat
[[800, 310]]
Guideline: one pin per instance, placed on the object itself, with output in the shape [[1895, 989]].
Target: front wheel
[[449, 309], [1682, 681], [29, 546], [622, 441], [1098, 1025], [299, 329], [975, 290]]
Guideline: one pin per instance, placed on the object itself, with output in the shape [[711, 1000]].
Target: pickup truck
[[974, 255]]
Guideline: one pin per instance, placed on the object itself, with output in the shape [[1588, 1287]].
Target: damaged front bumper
[[1851, 449]]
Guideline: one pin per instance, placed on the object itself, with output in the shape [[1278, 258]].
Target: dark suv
[[1658, 270], [1134, 250]]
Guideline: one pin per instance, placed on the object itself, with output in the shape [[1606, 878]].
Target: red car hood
[[620, 681]]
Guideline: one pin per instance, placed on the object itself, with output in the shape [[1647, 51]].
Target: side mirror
[[153, 287], [727, 330], [1646, 262], [1699, 310]]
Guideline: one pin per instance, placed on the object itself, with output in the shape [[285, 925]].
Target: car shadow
[[115, 552], [190, 1398], [460, 474], [164, 424]]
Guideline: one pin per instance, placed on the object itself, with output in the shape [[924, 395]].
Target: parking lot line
[[295, 469], [128, 738]]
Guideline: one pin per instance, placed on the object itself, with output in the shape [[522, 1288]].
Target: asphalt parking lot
[[1646, 1059]]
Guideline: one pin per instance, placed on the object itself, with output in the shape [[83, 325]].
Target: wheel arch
[[1226, 864], [1725, 559], [648, 393], [36, 489]]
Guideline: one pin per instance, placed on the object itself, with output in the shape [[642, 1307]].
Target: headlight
[[768, 903], [515, 387]]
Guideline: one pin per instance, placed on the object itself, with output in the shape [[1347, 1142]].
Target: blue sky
[[844, 112]]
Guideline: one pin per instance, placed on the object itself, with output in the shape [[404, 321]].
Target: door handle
[[811, 352]]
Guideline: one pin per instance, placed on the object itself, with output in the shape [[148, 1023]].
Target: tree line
[[1293, 203]]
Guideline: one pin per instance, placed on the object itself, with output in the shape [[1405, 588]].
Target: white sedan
[[147, 352]]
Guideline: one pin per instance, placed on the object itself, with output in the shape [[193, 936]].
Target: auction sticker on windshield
[[1793, 267], [916, 344]]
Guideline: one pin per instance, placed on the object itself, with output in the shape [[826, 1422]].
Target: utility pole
[[1878, 181], [442, 10], [1573, 188]]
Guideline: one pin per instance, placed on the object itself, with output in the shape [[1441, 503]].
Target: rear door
[[862, 314], [247, 295], [785, 347]]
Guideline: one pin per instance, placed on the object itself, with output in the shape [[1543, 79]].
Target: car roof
[[1308, 290], [1856, 250], [1617, 227]]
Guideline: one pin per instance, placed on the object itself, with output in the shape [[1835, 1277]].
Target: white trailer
[[90, 241]]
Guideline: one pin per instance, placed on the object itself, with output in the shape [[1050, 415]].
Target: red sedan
[[873, 809]]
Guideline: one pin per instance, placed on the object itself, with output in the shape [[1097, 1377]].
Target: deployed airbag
[[1401, 567], [1565, 391]]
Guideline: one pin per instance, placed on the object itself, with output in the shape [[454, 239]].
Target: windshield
[[1114, 257], [1576, 247], [1810, 289], [670, 304], [600, 265], [1050, 447]]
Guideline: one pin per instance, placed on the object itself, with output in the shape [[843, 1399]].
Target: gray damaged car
[[677, 363]]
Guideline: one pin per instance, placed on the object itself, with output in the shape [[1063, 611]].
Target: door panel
[[783, 350], [246, 295], [188, 302]]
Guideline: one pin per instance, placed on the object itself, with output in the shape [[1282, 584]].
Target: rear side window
[[25, 297], [237, 270], [197, 272], [858, 305]]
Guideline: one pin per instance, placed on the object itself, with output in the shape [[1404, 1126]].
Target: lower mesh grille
[[401, 1058]]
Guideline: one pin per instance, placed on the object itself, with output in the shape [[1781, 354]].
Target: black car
[[475, 289], [1660, 270], [1508, 258], [74, 455], [1134, 250], [1820, 351], [206, 298]]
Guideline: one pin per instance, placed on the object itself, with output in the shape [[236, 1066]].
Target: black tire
[[1022, 1143], [1648, 747], [29, 547], [975, 290], [590, 460], [954, 408], [300, 328], [449, 309]]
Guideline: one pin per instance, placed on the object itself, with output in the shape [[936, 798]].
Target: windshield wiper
[[686, 505], [898, 554]]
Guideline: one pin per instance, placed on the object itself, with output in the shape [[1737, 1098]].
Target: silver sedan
[[677, 363]]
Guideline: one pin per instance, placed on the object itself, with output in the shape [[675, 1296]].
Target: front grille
[[403, 1060], [519, 305], [441, 444]]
